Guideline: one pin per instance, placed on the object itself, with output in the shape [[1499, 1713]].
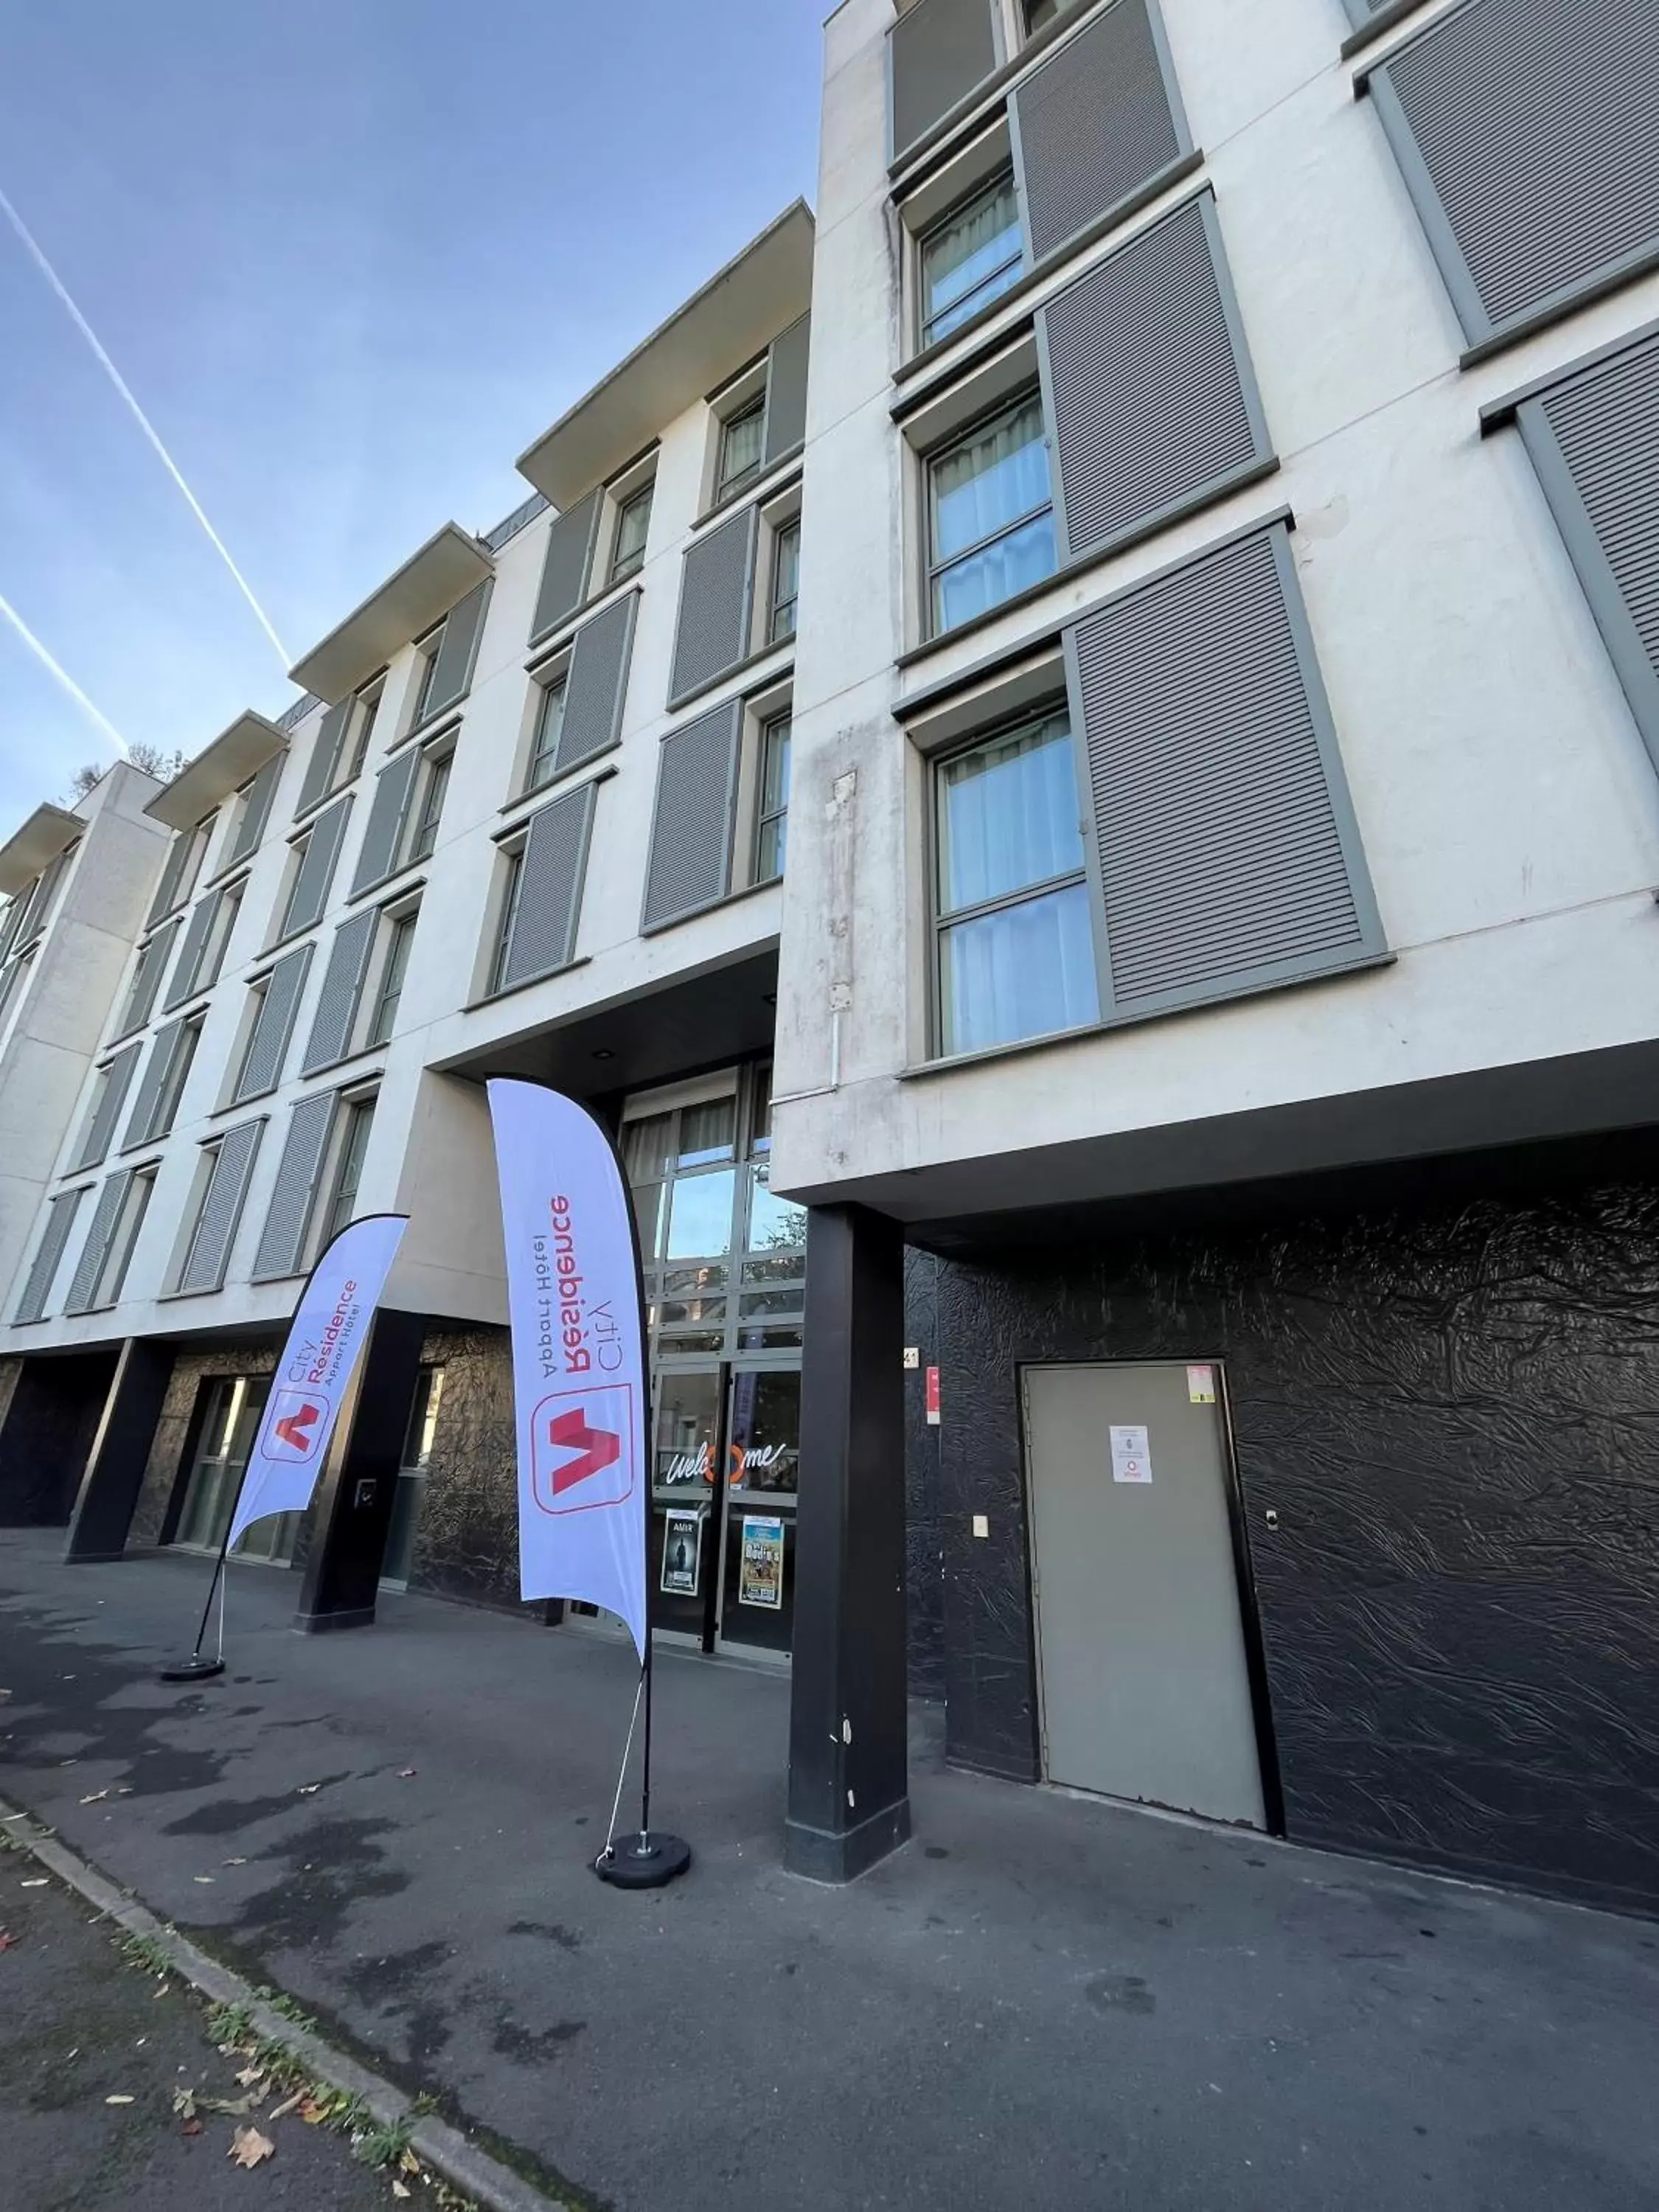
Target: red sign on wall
[[933, 1397]]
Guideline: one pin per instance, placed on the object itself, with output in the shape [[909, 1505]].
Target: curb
[[493, 2186]]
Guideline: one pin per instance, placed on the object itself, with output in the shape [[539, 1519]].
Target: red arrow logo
[[598, 1447], [295, 1429]]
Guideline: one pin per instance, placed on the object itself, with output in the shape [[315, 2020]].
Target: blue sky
[[351, 255]]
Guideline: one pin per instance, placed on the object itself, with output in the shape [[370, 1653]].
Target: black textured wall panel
[[49, 1415], [1451, 1401], [466, 1540], [923, 1536]]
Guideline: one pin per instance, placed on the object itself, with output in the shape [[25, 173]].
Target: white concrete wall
[[1508, 811], [53, 1029]]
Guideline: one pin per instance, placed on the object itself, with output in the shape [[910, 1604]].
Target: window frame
[[782, 533], [1003, 176], [508, 894], [125, 1232], [355, 1111], [432, 776], [397, 926], [170, 1095], [767, 818], [627, 503], [750, 408], [940, 923], [555, 685], [1008, 403], [428, 648]]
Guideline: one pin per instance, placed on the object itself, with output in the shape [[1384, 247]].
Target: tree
[[150, 760]]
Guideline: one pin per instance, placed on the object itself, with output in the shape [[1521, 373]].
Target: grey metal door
[[1145, 1687]]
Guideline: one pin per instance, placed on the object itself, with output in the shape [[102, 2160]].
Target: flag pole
[[196, 1668]]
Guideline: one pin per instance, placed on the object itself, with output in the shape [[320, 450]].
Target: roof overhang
[[427, 585], [49, 831], [216, 771], [736, 314]]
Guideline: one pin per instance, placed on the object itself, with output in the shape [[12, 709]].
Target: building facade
[[1205, 1033]]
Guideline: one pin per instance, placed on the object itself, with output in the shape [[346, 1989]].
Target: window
[[633, 520], [292, 905], [354, 739], [123, 1236], [1016, 955], [432, 782], [511, 890], [399, 939], [1039, 12], [741, 437], [786, 582], [991, 524], [348, 1168], [178, 1074], [225, 912], [231, 1408], [772, 813], [428, 648], [971, 258], [184, 867], [549, 720], [11, 987]]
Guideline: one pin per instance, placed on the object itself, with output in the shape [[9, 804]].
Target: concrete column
[[848, 1805], [121, 1451], [360, 1482]]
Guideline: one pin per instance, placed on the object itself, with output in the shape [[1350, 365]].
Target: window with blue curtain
[[1016, 950], [970, 258], [990, 515]]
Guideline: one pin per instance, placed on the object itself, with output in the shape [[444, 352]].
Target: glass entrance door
[[757, 1577], [230, 1421], [683, 1563]]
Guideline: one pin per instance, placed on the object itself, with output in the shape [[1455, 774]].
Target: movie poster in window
[[760, 1579], [682, 1552]]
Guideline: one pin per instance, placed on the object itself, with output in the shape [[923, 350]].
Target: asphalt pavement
[[1043, 2000]]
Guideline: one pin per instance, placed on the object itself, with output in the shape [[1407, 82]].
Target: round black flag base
[[644, 1861], [198, 1667]]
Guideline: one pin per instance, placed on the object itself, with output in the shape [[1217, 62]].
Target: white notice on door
[[1132, 1456]]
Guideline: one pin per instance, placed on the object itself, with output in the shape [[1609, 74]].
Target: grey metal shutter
[[564, 570], [596, 685], [189, 962], [267, 1047], [937, 52], [786, 390], [256, 810], [550, 887], [457, 649], [717, 582], [378, 855], [342, 981], [325, 751], [282, 1239], [60, 1219], [146, 1107], [1528, 132], [1153, 400], [1229, 859], [83, 1283], [691, 829], [1594, 442], [317, 868], [101, 1128], [162, 901], [222, 1208], [1098, 125], [147, 977]]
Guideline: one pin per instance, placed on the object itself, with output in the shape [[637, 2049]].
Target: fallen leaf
[[281, 2111], [400, 2188], [96, 1798], [250, 2075], [206, 1880], [409, 2163], [234, 1863], [184, 2104], [248, 2146], [118, 2100], [405, 1773], [8, 1940], [39, 1883], [310, 2111], [309, 1788], [233, 2107], [190, 2128]]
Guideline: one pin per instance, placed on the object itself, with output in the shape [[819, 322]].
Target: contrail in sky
[[142, 419], [63, 677]]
